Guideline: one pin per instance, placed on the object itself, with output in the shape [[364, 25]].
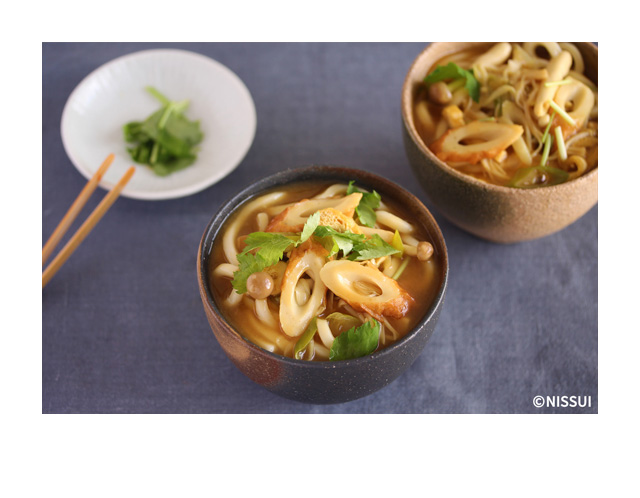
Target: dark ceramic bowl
[[499, 214], [322, 382]]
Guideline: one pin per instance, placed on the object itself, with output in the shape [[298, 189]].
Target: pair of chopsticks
[[89, 223]]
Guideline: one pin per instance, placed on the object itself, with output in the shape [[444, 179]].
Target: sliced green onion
[[396, 242], [562, 113], [456, 84], [558, 83], [533, 177], [305, 339], [498, 107], [546, 130], [562, 149], [340, 322], [545, 151], [401, 269], [525, 178], [556, 175]]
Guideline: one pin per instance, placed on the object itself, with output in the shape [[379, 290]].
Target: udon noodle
[[533, 122], [332, 275]]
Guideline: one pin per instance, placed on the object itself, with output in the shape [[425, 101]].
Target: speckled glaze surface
[[322, 382], [498, 214]]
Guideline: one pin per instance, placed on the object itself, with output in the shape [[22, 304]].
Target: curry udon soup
[[517, 115], [323, 271]]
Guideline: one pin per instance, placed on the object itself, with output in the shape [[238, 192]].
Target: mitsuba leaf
[[453, 72], [133, 132], [248, 264], [142, 152], [309, 227], [343, 241], [356, 342], [354, 246], [330, 245], [166, 167], [263, 249], [368, 204], [271, 245], [179, 128], [371, 248]]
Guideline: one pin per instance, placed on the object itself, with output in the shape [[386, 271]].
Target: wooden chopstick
[[75, 208], [86, 227]]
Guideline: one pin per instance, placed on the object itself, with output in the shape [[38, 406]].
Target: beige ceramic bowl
[[498, 214]]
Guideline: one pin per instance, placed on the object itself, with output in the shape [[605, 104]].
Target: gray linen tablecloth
[[123, 329]]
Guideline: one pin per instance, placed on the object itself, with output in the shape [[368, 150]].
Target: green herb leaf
[[452, 72], [164, 167], [368, 204], [341, 241], [330, 245], [133, 132], [142, 152], [179, 128], [271, 245], [371, 248], [354, 246], [356, 342], [309, 227], [270, 249], [248, 264]]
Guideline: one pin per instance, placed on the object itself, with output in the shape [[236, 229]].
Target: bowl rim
[[406, 106], [264, 184]]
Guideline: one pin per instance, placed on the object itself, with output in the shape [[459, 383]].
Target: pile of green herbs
[[167, 140]]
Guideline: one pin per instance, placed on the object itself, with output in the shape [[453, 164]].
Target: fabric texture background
[[123, 329]]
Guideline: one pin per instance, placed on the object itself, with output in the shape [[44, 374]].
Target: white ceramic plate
[[115, 94]]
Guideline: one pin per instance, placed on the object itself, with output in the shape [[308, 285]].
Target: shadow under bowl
[[322, 382], [492, 212]]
